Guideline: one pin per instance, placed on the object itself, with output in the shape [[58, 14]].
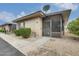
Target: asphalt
[[7, 50]]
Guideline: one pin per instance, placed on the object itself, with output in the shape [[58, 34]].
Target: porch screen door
[[55, 28], [46, 28]]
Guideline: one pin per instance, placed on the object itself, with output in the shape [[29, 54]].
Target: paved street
[[8, 50]]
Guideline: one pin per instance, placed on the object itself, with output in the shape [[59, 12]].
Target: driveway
[[8, 50]]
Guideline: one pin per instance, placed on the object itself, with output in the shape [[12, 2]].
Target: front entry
[[52, 26]]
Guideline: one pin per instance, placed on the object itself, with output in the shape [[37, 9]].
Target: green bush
[[24, 32], [17, 32], [73, 26], [2, 30]]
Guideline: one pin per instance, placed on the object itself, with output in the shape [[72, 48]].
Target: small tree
[[73, 26]]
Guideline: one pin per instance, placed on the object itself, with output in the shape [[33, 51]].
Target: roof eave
[[36, 14], [66, 15]]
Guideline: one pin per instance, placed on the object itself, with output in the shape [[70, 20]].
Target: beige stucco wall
[[19, 25], [35, 24]]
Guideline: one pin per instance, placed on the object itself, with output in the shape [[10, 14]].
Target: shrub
[[24, 32], [77, 33], [2, 30], [17, 32]]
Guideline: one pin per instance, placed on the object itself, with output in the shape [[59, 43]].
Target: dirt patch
[[43, 52], [63, 47]]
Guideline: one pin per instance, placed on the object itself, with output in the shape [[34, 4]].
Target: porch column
[[50, 28], [61, 26]]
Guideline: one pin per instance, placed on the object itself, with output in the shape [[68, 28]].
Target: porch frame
[[61, 26]]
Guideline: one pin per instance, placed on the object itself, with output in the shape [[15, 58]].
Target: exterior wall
[[17, 26], [35, 24]]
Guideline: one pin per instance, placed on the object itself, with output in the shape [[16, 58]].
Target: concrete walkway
[[23, 45]]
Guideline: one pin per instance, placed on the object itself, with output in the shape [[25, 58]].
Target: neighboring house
[[8, 26], [0, 27], [41, 24]]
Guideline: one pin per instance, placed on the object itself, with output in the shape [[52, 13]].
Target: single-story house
[[9, 26], [41, 24]]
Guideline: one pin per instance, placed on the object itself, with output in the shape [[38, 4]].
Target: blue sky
[[9, 12]]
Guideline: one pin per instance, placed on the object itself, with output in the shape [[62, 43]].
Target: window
[[46, 28]]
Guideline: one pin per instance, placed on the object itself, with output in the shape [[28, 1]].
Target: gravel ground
[[62, 47], [58, 47]]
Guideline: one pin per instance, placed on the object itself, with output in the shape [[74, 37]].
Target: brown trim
[[33, 15], [27, 19]]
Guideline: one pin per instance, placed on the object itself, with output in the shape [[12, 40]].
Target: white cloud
[[67, 6], [21, 14], [8, 17]]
